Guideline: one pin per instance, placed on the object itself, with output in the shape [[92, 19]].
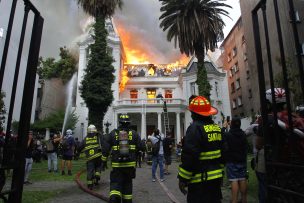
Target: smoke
[[140, 19], [63, 25]]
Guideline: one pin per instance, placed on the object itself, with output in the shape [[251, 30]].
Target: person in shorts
[[235, 154], [68, 143]]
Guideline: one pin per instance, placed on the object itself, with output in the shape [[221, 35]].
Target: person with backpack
[[68, 145], [123, 143], [91, 146], [235, 154], [51, 152], [157, 154]]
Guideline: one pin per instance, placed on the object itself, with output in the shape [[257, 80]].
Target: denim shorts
[[236, 171]]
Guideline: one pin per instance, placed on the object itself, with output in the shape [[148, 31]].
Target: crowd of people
[[206, 153]]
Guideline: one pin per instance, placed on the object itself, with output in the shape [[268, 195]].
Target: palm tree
[[196, 25], [96, 8], [97, 81]]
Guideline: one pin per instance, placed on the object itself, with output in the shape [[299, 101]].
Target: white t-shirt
[[155, 139]]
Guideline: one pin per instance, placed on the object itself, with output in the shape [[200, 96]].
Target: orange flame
[[123, 80]]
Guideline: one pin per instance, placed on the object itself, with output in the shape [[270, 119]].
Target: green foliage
[[202, 81], [64, 68], [104, 8], [293, 78], [2, 110], [96, 84], [55, 121]]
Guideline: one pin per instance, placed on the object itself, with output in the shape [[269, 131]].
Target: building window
[[216, 88], [248, 74], [133, 96], [234, 51], [232, 87], [234, 104], [168, 95], [238, 83], [229, 57], [249, 93], [236, 67], [245, 56], [192, 86], [240, 101], [231, 71], [242, 115], [297, 17], [151, 93]]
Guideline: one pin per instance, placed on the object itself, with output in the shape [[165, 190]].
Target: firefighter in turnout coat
[[201, 168], [123, 144], [91, 146]]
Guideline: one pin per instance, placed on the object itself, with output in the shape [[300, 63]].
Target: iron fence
[[15, 147]]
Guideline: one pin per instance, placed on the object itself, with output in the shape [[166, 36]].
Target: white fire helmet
[[92, 129], [69, 132], [279, 94]]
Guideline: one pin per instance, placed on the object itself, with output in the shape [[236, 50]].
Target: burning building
[[141, 87]]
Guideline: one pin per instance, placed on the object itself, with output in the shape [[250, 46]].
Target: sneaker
[[27, 182], [162, 180], [55, 171], [153, 180], [69, 173], [62, 173], [50, 171]]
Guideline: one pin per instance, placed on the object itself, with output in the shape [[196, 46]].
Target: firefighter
[[91, 146], [124, 143], [201, 170]]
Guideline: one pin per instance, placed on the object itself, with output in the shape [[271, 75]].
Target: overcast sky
[[64, 23]]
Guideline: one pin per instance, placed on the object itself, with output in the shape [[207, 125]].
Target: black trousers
[[121, 184], [93, 170], [205, 192]]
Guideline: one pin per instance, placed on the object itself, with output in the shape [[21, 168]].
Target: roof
[[210, 67]]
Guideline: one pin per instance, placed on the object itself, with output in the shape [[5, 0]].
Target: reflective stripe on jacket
[[92, 147]]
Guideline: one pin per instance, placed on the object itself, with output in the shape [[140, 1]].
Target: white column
[[159, 122], [143, 126], [115, 120], [178, 128]]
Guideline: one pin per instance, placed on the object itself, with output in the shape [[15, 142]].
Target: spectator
[[28, 157], [235, 153], [157, 154], [179, 151], [139, 153], [51, 153], [68, 145], [159, 97], [167, 153], [76, 150]]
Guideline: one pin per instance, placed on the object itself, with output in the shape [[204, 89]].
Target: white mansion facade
[[145, 82]]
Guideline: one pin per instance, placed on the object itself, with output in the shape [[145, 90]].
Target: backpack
[[156, 147], [49, 146]]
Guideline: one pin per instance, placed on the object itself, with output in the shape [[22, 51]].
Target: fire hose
[[85, 189]]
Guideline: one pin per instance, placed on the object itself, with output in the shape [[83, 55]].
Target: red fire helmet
[[202, 106]]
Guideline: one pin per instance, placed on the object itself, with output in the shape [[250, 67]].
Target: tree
[[2, 111], [64, 68], [55, 120], [196, 26], [97, 82]]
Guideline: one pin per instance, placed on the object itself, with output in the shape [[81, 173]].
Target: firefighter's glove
[[182, 186]]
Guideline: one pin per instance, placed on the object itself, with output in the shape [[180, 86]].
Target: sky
[[65, 22]]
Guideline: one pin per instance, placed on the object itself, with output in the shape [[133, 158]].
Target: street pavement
[[144, 190]]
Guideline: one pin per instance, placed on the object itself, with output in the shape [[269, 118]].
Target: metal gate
[[283, 151], [13, 151]]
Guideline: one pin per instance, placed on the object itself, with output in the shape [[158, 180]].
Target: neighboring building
[[51, 97], [288, 40], [234, 60], [139, 98]]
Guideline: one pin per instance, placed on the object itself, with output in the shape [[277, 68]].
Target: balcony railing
[[149, 101]]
